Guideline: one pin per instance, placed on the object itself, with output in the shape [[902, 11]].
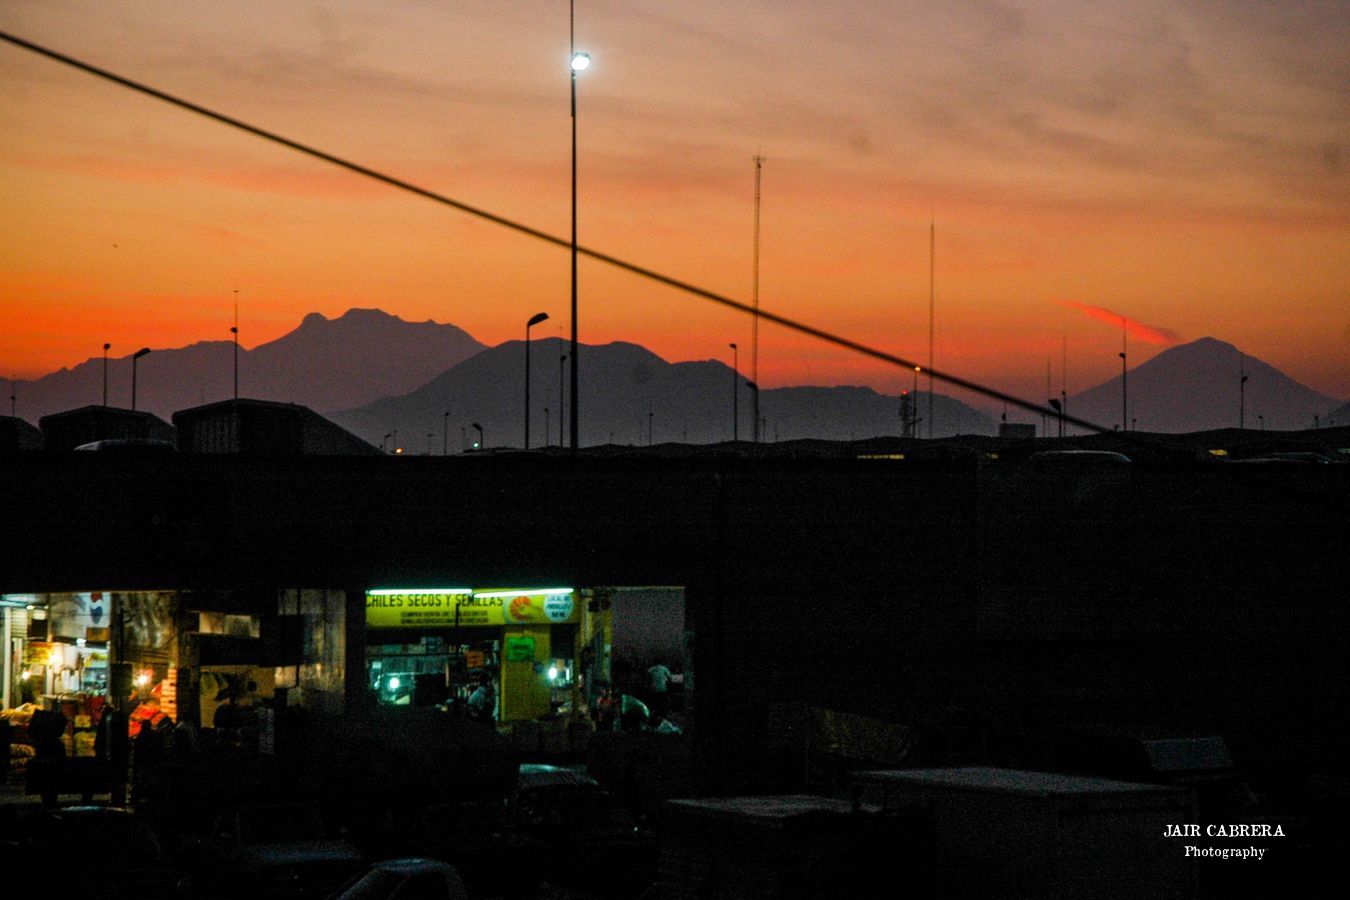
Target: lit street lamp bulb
[[581, 62]]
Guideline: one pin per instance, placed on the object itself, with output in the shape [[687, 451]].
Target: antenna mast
[[932, 253], [754, 342]]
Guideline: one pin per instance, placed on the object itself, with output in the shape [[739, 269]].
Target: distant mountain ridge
[[379, 374], [629, 395], [324, 364], [1196, 387]]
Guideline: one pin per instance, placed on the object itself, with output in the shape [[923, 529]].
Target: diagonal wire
[[599, 256]]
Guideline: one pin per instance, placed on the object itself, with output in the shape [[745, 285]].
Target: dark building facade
[[16, 435], [72, 428], [265, 428], [986, 595]]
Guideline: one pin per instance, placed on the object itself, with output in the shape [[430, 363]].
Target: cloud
[[1149, 334]]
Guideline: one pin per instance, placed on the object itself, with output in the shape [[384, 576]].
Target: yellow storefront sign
[[462, 607]]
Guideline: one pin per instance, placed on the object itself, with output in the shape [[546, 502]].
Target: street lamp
[[735, 393], [1242, 398], [534, 320], [562, 397], [384, 441], [445, 434], [579, 63], [482, 442], [234, 330], [106, 348], [1124, 393], [754, 393], [134, 357], [916, 401], [548, 428]]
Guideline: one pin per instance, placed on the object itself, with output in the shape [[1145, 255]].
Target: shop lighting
[[385, 592], [530, 592], [142, 679], [552, 673], [79, 642], [26, 676], [394, 683]]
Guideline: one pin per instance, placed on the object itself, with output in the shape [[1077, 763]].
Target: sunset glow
[[1180, 166]]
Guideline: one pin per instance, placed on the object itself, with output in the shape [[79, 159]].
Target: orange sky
[[1184, 165]]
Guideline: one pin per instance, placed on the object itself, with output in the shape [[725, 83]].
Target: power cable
[[640, 271]]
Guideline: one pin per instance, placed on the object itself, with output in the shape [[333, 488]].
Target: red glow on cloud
[[1137, 330]]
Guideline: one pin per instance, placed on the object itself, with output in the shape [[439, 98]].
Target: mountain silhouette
[[629, 395], [324, 364], [1195, 387]]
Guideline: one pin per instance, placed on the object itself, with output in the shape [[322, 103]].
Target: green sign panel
[[519, 649]]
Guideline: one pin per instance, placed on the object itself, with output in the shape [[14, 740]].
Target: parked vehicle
[[492, 856], [115, 854], [405, 879], [592, 842], [275, 850]]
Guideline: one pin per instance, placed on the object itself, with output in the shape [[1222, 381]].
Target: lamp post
[[548, 428], [134, 358], [1124, 389], [1124, 393], [1261, 420], [735, 393], [384, 441], [534, 320], [562, 397], [445, 434], [754, 393], [579, 63], [482, 441], [234, 330], [106, 348], [1242, 397]]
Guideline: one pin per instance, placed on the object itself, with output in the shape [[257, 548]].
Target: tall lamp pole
[[445, 434], [482, 441], [579, 63], [1124, 383], [562, 397], [1242, 396], [534, 320], [106, 348], [235, 331], [754, 392], [735, 393], [134, 358]]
